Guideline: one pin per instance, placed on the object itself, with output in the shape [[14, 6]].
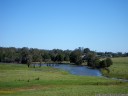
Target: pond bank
[[81, 70], [108, 75]]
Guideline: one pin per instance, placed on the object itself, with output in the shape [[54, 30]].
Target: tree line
[[78, 56], [25, 55]]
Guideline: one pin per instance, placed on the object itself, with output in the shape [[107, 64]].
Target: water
[[76, 70], [80, 70]]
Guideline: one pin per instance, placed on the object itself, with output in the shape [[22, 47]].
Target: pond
[[76, 70]]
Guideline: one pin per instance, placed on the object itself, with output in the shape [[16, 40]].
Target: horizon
[[62, 49], [100, 25]]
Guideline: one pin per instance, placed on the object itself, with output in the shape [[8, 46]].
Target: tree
[[29, 60], [66, 58], [46, 57], [97, 62], [53, 57], [1, 54], [108, 62], [86, 50], [91, 56], [76, 57], [24, 54], [60, 57], [125, 54], [67, 55], [103, 64], [40, 62]]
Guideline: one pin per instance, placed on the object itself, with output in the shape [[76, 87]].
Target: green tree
[[103, 64], [86, 50], [53, 57], [97, 62], [66, 58], [46, 57], [91, 56], [108, 62], [24, 55], [76, 57], [40, 62], [60, 58], [29, 60]]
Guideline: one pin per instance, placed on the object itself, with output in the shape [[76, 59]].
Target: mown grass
[[18, 80], [119, 69]]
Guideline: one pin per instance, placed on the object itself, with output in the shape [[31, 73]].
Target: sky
[[101, 25]]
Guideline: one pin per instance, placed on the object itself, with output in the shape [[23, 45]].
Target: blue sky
[[100, 25]]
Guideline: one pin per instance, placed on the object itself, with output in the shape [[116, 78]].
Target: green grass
[[119, 69], [18, 80]]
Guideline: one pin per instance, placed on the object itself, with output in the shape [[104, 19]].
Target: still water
[[76, 70]]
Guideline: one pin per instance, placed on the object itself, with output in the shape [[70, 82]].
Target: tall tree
[[76, 56], [60, 58], [46, 57], [91, 56], [86, 50], [29, 60]]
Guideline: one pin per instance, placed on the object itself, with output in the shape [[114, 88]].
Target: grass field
[[18, 80], [119, 69]]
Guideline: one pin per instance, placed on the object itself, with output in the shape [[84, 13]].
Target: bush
[[106, 63]]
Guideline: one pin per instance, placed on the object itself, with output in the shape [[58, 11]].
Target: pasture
[[18, 80], [119, 69]]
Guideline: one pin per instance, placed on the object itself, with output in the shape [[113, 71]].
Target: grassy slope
[[18, 80], [119, 69]]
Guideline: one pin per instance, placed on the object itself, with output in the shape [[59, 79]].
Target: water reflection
[[76, 70]]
